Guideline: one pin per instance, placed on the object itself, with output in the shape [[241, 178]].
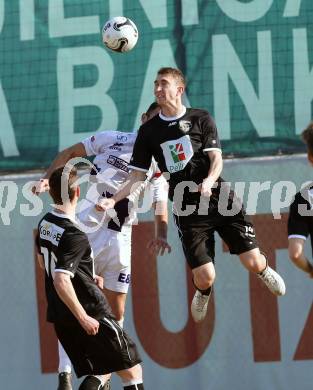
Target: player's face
[[167, 89]]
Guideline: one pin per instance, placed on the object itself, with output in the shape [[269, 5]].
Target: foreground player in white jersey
[[111, 242]]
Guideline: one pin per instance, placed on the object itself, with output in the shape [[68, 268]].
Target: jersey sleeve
[[72, 248], [211, 139], [142, 156], [298, 226], [97, 143]]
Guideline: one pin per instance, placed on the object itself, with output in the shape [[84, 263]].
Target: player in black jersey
[[111, 242], [185, 144], [82, 319], [300, 221]]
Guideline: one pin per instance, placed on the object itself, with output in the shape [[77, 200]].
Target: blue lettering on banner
[[124, 278]]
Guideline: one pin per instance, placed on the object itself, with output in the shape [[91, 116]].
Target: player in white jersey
[[110, 238]]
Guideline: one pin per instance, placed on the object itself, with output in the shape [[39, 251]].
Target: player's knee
[[204, 278], [255, 263], [295, 254], [119, 313]]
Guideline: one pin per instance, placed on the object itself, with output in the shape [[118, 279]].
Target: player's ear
[[310, 157], [180, 90], [78, 191], [144, 118]]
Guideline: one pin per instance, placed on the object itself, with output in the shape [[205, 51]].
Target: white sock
[[101, 379], [133, 382], [65, 364]]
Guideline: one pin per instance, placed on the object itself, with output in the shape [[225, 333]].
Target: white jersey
[[112, 151]]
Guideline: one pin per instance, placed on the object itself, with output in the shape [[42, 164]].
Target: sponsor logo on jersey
[[177, 152], [184, 126], [172, 124], [118, 163], [116, 146], [124, 278], [121, 138], [50, 232]]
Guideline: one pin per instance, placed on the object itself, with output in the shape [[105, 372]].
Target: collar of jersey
[[63, 215], [173, 118]]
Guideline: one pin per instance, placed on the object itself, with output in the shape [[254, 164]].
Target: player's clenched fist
[[40, 186], [90, 325]]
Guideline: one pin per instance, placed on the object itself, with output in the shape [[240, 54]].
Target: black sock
[[207, 291], [139, 386], [203, 292]]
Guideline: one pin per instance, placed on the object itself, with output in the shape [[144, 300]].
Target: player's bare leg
[[132, 378], [256, 262], [297, 256], [203, 279], [117, 302]]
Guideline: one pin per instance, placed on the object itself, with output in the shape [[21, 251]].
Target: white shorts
[[112, 255]]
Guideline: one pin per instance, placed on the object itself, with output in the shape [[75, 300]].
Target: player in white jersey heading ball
[[110, 238]]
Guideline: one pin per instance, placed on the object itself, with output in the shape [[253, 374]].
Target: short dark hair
[[175, 73], [61, 179], [153, 106], [307, 137]]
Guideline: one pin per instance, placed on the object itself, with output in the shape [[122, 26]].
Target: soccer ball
[[120, 34]]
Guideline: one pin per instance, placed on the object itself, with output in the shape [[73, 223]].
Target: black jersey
[[66, 249], [179, 145], [300, 221]]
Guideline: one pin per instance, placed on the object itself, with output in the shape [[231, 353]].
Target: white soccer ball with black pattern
[[120, 34]]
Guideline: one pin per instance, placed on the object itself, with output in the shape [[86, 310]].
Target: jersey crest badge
[[184, 126]]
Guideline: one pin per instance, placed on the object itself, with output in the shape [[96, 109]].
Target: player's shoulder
[[200, 115], [198, 112], [74, 234]]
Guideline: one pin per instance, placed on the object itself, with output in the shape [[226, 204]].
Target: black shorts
[[110, 350], [196, 233]]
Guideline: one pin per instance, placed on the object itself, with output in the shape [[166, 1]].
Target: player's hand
[[40, 186], [105, 204], [157, 246], [206, 187], [99, 281], [90, 325]]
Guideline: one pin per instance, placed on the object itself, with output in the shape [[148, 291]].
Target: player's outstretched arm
[[216, 167], [130, 186], [64, 287], [159, 245], [77, 150]]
